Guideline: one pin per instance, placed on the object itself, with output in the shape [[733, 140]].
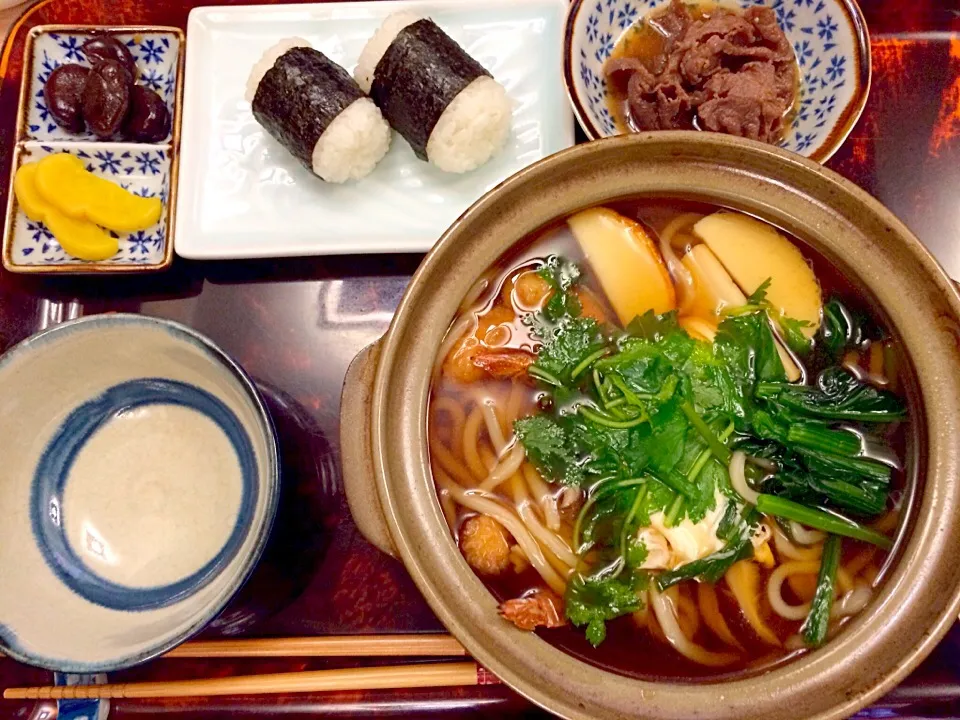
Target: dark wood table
[[295, 325]]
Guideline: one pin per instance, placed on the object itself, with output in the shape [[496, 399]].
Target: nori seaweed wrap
[[418, 76], [300, 96]]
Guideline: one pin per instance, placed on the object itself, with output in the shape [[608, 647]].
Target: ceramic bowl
[[386, 463], [829, 38], [138, 488]]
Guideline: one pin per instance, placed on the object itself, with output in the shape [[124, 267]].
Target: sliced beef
[[626, 70], [722, 23], [744, 103], [643, 112], [727, 72], [786, 82], [672, 24], [703, 60], [764, 19]]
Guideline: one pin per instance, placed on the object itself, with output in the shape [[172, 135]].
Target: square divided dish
[[146, 169], [243, 195]]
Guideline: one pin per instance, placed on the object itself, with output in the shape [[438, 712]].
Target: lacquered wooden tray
[[296, 324]]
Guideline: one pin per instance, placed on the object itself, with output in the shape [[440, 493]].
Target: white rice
[[352, 144], [266, 61], [472, 129], [377, 45]]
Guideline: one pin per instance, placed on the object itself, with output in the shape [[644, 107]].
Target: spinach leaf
[[839, 329], [815, 627], [838, 395], [865, 498], [821, 479]]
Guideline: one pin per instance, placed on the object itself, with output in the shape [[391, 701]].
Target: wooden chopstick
[[396, 676], [437, 645]]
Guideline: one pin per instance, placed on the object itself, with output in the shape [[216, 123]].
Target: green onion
[[676, 482], [817, 437], [641, 494], [629, 395], [673, 514], [702, 459], [610, 422], [830, 464], [815, 627], [717, 447], [545, 376], [820, 520], [587, 362], [598, 384]]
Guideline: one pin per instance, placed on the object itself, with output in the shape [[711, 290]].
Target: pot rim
[[862, 651]]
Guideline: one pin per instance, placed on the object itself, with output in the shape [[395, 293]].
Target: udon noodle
[[630, 553]]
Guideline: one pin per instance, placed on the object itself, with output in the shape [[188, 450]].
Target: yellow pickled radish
[[627, 262], [67, 185], [25, 188], [80, 238]]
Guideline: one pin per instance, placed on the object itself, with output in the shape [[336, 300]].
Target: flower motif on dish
[[823, 39], [156, 56], [145, 173]]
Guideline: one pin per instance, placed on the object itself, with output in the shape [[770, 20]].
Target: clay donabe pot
[[384, 422]]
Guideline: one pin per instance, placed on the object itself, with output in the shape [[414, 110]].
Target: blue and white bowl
[[139, 484], [829, 38]]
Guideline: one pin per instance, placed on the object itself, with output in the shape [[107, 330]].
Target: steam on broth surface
[[672, 447]]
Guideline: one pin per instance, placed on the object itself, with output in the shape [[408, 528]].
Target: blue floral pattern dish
[[157, 55], [142, 169], [828, 36], [148, 169]]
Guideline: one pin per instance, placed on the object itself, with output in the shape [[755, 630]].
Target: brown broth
[[628, 649]]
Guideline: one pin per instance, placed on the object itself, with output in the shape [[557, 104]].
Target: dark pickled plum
[[149, 119], [63, 93], [106, 98], [101, 48]]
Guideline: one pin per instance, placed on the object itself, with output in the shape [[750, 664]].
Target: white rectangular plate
[[242, 195]]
